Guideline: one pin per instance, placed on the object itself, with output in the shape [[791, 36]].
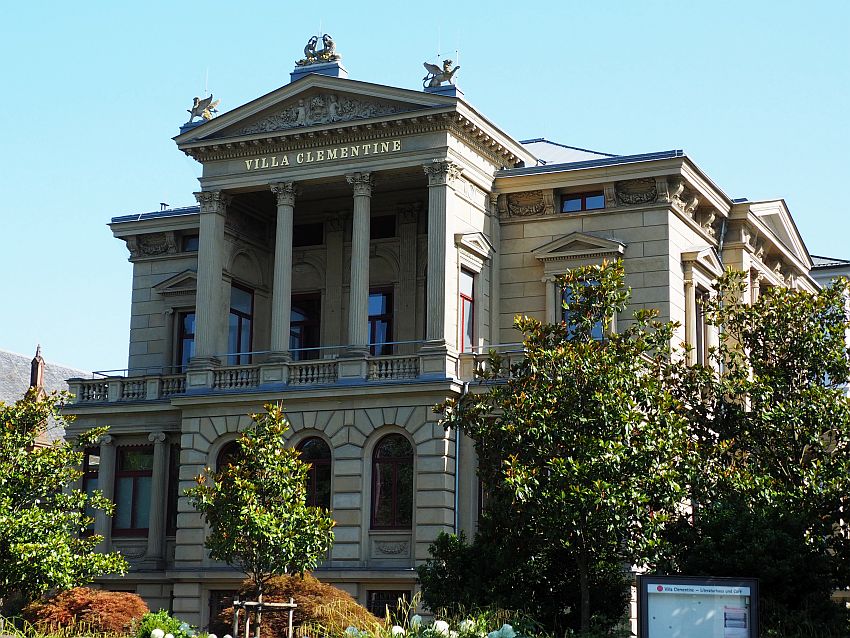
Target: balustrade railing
[[236, 377], [313, 372], [394, 367]]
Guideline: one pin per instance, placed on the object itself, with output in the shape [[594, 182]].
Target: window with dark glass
[[308, 234], [382, 227], [701, 329], [318, 454], [575, 202], [91, 470], [190, 243], [229, 454], [381, 602], [597, 332], [304, 326], [185, 338], [392, 483], [134, 469], [380, 322], [173, 490], [241, 321], [467, 311]]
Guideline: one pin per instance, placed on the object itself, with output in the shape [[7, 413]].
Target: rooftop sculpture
[[436, 76], [204, 109], [322, 56]]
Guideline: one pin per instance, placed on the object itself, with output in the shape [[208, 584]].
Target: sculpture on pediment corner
[[321, 56], [634, 192], [204, 109], [436, 76]]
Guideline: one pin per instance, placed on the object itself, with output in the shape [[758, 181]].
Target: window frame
[[463, 300], [134, 529], [582, 197], [396, 462], [385, 346], [182, 337], [312, 473], [238, 357], [304, 353]]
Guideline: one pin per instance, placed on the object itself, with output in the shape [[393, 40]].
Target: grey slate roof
[[15, 380], [553, 153], [603, 161], [828, 262], [168, 212]]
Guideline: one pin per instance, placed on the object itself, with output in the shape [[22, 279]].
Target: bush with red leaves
[[97, 610]]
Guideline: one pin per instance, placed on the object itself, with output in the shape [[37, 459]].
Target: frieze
[[636, 191], [325, 108], [526, 204], [151, 245]]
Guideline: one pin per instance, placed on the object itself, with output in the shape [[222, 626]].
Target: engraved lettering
[[355, 151], [256, 163], [299, 158], [331, 153], [310, 156], [274, 161], [320, 156], [385, 147], [375, 147], [396, 145], [265, 163], [365, 149], [285, 161], [247, 165]]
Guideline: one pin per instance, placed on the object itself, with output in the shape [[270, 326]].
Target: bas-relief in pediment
[[318, 109]]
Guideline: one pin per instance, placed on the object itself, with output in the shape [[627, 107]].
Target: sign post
[[692, 607]]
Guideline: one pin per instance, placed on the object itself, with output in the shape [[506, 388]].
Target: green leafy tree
[[256, 507], [775, 433], [581, 441], [44, 542]]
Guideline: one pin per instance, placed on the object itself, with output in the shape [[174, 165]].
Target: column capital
[[157, 437], [362, 183], [285, 192], [212, 201], [442, 172], [106, 439]]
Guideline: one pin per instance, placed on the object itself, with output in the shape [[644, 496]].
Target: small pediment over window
[[476, 244], [580, 247], [184, 283], [703, 257]]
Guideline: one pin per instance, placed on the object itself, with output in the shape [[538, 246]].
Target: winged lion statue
[[203, 108], [436, 76]]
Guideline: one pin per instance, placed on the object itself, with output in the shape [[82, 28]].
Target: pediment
[[580, 246], [476, 244], [776, 217], [313, 102], [184, 283], [704, 257]]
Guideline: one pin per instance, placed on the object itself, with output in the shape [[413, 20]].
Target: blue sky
[[757, 93]]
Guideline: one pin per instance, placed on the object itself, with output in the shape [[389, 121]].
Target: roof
[[548, 152], [819, 261], [15, 381], [168, 212], [608, 160]]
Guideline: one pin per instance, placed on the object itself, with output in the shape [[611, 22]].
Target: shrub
[[101, 611], [166, 622], [319, 605]]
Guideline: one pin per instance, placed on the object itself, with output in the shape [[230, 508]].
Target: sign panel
[[689, 607]]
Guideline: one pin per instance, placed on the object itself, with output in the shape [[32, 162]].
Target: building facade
[[355, 251]]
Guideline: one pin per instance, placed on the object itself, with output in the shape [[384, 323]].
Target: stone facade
[[396, 204]]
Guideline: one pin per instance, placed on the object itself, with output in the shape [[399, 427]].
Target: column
[[209, 296], [106, 484], [358, 300], [282, 292], [156, 520], [332, 318], [441, 173], [691, 319]]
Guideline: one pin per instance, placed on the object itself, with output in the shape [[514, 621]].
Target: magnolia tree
[[582, 439], [256, 506], [44, 539]]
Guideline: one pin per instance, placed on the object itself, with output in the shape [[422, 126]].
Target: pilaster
[[106, 484], [156, 521], [358, 303], [408, 217], [282, 292]]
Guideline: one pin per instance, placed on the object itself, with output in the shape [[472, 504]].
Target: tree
[[256, 507], [45, 542], [775, 431], [582, 442]]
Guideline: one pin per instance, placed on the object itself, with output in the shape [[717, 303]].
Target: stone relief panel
[[324, 108], [525, 204], [634, 192], [152, 245]]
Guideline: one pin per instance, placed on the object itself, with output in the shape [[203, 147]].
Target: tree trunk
[[259, 610], [584, 588]]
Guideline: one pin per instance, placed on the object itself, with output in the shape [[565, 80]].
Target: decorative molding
[[392, 548], [682, 198], [548, 201], [610, 196], [323, 108], [361, 183], [526, 204], [577, 247], [493, 200], [442, 172], [707, 223], [184, 283], [131, 552], [213, 201], [152, 245], [634, 192], [704, 258], [157, 437], [476, 244], [285, 193]]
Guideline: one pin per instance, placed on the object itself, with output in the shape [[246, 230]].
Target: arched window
[[228, 455], [392, 483], [317, 453]]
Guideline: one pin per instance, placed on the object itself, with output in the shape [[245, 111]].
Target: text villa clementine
[[322, 155]]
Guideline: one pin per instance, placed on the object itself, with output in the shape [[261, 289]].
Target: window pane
[[308, 234], [378, 303], [468, 326], [383, 514], [123, 503], [142, 504], [314, 448], [404, 489], [466, 283], [245, 344], [241, 300], [595, 202], [323, 485], [139, 460], [571, 204], [232, 335], [190, 243], [382, 227], [394, 446]]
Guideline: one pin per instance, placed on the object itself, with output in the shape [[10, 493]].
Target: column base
[[353, 352], [282, 356], [203, 363]]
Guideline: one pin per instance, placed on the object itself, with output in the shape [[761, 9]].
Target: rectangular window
[[185, 339], [240, 327], [190, 243], [701, 345], [382, 227], [380, 322], [304, 326], [173, 490], [382, 602], [91, 470], [576, 202], [597, 333], [133, 475], [308, 235], [467, 310]]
